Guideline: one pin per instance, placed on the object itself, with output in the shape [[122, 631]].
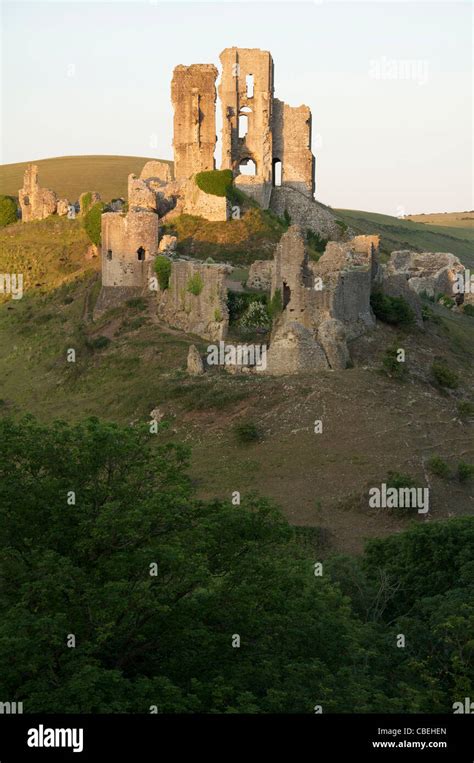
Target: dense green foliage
[[92, 222], [393, 310], [170, 639], [162, 266], [8, 211], [215, 182], [239, 302]]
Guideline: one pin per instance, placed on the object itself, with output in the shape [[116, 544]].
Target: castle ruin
[[36, 203]]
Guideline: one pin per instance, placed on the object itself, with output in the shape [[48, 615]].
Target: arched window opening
[[248, 167], [141, 253], [109, 254], [243, 125], [286, 294], [277, 170]]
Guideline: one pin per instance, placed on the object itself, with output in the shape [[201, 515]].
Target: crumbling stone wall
[[197, 202], [347, 271], [260, 275], [204, 313], [193, 94], [156, 170], [140, 194], [431, 272], [36, 203], [325, 304], [291, 127]]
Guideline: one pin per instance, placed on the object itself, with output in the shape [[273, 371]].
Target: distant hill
[[69, 176], [453, 219], [397, 233]]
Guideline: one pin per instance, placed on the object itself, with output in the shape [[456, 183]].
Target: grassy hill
[[128, 363], [451, 219], [404, 234], [69, 176]]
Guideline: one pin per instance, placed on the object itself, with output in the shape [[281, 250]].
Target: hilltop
[[69, 176]]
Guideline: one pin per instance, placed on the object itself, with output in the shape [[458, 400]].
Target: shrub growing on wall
[[7, 211], [92, 222], [163, 270], [215, 182], [195, 284]]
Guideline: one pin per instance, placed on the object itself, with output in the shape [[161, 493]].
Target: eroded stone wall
[[291, 127], [201, 204], [193, 94], [140, 194], [260, 275], [325, 303], [36, 203], [157, 170], [196, 299]]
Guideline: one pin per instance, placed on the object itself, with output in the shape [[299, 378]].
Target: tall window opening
[[249, 85], [276, 172]]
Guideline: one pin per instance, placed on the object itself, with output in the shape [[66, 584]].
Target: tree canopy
[[204, 606]]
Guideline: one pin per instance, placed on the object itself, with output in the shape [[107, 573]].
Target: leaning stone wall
[[204, 314]]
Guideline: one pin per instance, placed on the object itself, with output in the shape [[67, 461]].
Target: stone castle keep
[[259, 132]]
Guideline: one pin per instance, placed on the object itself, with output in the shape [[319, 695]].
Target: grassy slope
[[405, 234], [48, 252], [371, 424], [69, 176]]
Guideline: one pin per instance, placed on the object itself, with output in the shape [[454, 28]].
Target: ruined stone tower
[[129, 245], [261, 132], [36, 203], [246, 93], [193, 94]]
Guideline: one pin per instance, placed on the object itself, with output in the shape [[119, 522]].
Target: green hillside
[[405, 234], [69, 176], [128, 364]]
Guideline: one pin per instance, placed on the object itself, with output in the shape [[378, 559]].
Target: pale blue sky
[[94, 78]]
